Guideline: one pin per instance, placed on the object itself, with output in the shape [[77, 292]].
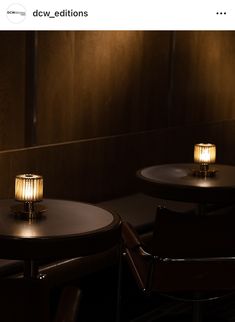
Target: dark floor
[[99, 303]]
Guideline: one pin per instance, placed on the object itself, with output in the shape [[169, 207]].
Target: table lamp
[[29, 190], [204, 155]]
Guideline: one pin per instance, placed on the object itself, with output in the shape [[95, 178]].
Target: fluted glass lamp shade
[[28, 187], [28, 190], [204, 153]]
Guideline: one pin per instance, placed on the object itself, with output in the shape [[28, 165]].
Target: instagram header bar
[[117, 15]]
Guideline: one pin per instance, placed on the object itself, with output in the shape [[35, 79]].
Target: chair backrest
[[189, 252], [181, 235], [190, 236]]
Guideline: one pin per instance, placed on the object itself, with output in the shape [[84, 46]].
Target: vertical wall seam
[[35, 98], [171, 76], [170, 88], [31, 88]]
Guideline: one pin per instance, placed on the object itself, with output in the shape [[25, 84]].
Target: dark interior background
[[86, 109]]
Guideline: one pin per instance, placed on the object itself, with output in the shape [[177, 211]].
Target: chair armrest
[[145, 254], [198, 259], [130, 237], [132, 241]]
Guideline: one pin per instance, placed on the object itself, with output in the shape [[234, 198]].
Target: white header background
[[124, 15]]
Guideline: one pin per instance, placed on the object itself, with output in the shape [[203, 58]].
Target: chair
[[54, 296], [48, 298], [190, 257]]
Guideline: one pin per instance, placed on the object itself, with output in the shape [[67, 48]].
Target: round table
[[67, 229], [176, 182]]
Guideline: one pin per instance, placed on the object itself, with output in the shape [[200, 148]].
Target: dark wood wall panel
[[115, 101], [203, 77], [182, 139], [89, 170], [101, 83], [12, 89], [55, 69], [104, 91], [124, 85]]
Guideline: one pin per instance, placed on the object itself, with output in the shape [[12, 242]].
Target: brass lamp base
[[28, 210], [204, 171]]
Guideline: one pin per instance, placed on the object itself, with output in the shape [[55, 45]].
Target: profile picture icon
[[16, 13]]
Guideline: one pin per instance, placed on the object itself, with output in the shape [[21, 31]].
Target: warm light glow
[[204, 153], [28, 230], [28, 187]]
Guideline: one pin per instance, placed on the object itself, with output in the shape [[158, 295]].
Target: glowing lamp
[[204, 155], [29, 190]]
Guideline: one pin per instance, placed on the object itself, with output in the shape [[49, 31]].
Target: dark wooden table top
[[67, 229], [176, 182]]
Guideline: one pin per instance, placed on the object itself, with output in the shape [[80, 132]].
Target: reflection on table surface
[[182, 174], [61, 218], [177, 182], [67, 229]]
